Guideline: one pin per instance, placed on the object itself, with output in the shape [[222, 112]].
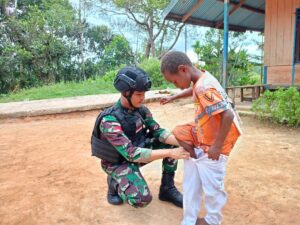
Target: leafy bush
[[152, 67], [110, 76], [240, 78], [283, 106], [117, 52], [62, 89]]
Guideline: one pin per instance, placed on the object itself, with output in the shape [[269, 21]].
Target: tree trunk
[[150, 43], [3, 4], [16, 7], [175, 40], [148, 48], [153, 53], [162, 42], [82, 72]]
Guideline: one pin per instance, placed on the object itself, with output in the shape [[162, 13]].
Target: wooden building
[[281, 47], [279, 20]]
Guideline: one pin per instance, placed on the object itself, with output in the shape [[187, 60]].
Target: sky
[[135, 38]]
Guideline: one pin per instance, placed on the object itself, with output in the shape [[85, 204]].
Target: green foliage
[[240, 68], [35, 48], [44, 45], [152, 67], [242, 78], [197, 49], [138, 6], [144, 18], [99, 37], [116, 53], [99, 85], [59, 90], [109, 76], [283, 106]]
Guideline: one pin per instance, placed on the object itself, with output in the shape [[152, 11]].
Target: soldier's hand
[[179, 153], [166, 100]]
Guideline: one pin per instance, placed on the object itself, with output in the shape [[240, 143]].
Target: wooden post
[[242, 94], [225, 50]]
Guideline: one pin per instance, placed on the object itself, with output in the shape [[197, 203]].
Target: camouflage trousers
[[132, 186]]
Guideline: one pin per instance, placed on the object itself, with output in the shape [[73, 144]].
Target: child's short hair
[[171, 60]]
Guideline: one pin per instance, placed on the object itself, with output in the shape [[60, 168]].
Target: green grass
[[59, 90]]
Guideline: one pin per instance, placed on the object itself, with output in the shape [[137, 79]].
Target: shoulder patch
[[209, 96]]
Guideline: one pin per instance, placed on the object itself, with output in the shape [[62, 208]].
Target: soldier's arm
[[112, 131], [163, 135]]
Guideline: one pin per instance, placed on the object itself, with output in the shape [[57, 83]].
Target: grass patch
[[60, 90]]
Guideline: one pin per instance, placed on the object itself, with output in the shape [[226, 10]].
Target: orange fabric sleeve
[[186, 133], [212, 102]]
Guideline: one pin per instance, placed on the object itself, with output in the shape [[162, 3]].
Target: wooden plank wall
[[279, 36]]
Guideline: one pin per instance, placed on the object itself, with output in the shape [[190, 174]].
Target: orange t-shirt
[[210, 100]]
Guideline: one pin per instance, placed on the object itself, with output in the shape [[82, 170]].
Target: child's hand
[[166, 100], [192, 153], [214, 152]]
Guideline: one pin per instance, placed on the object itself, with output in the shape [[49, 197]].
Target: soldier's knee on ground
[[133, 188], [139, 200]]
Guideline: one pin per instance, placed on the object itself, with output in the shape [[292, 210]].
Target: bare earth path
[[47, 175]]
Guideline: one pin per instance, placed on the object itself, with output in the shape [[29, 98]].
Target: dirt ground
[[47, 175]]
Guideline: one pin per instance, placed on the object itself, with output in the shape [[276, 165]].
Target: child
[[209, 139]]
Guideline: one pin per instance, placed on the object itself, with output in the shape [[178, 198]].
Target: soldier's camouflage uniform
[[132, 185]]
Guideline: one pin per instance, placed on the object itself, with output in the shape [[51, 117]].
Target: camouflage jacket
[[112, 131]]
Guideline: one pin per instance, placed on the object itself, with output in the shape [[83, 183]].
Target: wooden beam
[[192, 10], [208, 23], [191, 20], [236, 7], [249, 8], [205, 23]]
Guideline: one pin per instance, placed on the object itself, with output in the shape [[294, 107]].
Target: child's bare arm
[[226, 122], [185, 93], [188, 147]]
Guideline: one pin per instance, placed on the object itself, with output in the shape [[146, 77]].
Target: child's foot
[[201, 221]]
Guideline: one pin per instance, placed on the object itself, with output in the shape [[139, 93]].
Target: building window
[[297, 44]]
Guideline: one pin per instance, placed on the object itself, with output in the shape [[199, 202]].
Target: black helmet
[[132, 79]]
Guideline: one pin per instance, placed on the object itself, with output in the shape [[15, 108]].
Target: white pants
[[204, 176]]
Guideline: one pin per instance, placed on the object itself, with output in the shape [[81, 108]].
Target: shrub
[[283, 106], [152, 67], [110, 76]]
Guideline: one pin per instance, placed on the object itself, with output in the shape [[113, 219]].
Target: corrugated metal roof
[[210, 13]]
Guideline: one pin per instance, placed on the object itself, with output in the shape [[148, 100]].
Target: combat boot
[[168, 192], [112, 193]]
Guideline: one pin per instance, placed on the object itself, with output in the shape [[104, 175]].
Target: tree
[[37, 46], [98, 37], [48, 43], [146, 14], [118, 52], [240, 68], [197, 49]]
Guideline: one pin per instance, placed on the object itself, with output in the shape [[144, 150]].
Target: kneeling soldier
[[125, 137]]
